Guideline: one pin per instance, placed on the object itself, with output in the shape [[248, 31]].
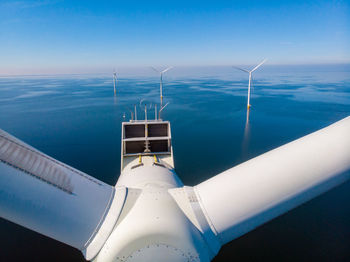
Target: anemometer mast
[[250, 79]]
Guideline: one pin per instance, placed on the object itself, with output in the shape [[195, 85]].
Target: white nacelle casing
[[152, 227]]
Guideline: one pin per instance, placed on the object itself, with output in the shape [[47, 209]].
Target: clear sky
[[76, 35]]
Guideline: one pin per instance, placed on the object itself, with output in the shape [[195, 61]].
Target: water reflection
[[115, 99], [246, 137]]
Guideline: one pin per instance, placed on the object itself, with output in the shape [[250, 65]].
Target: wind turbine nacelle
[[156, 222], [152, 226]]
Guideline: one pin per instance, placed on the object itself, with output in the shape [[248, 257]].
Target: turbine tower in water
[[250, 79], [161, 83], [114, 81]]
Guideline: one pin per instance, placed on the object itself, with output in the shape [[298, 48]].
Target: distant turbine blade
[[163, 107], [241, 69], [258, 65], [155, 69], [141, 101], [167, 69]]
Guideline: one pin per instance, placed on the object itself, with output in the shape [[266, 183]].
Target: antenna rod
[[155, 112], [145, 113], [161, 89], [135, 112], [131, 113], [146, 131]]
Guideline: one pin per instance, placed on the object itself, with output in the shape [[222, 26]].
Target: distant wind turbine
[[161, 83], [250, 79], [114, 81]]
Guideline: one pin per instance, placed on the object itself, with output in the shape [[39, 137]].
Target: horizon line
[[104, 69]]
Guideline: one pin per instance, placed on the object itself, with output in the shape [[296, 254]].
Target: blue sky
[[45, 36]]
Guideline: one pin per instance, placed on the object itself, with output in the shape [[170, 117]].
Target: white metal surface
[[51, 198], [152, 228], [149, 175], [187, 200], [246, 196], [96, 242]]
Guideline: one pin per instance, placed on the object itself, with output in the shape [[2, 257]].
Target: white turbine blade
[[56, 200], [167, 69], [241, 69], [155, 69], [141, 102], [258, 65], [250, 194], [163, 107]]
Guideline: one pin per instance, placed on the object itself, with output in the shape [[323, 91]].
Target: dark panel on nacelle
[[155, 130], [134, 131]]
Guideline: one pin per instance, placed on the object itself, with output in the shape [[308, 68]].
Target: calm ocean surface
[[76, 119]]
